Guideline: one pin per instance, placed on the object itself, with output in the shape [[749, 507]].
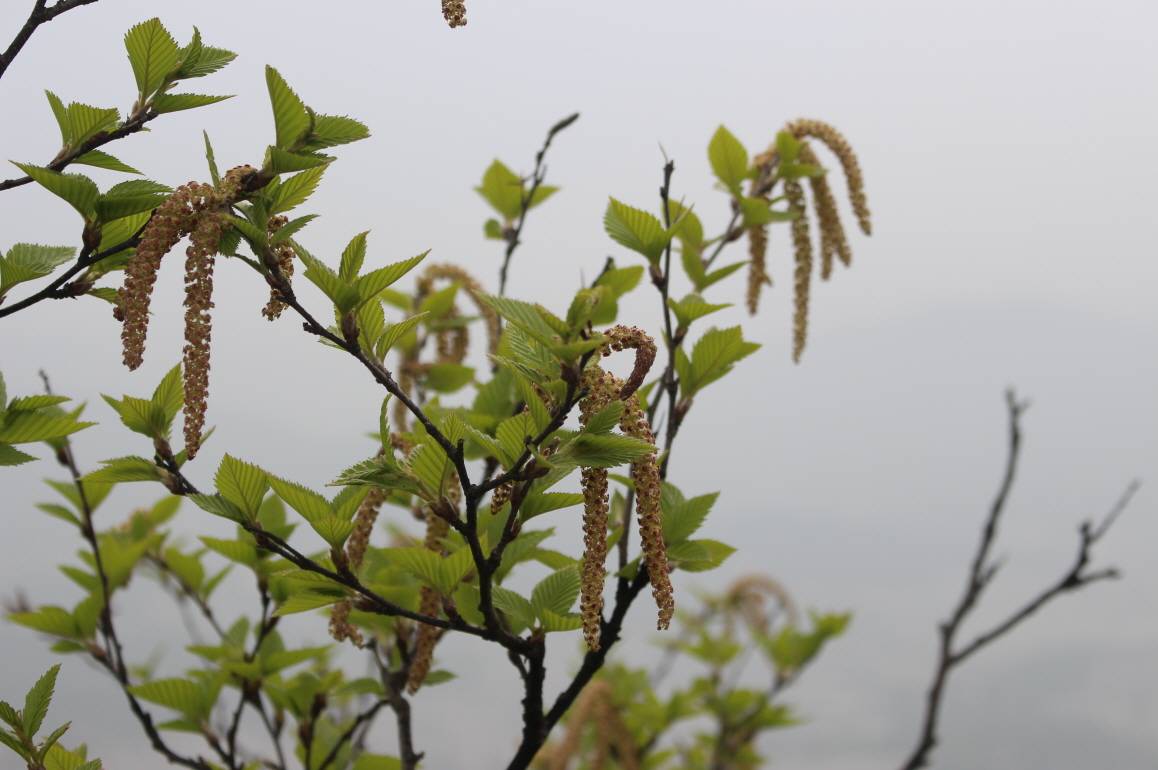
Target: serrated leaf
[[394, 333], [552, 622], [605, 450], [290, 116], [728, 158], [176, 102], [10, 456], [635, 229], [334, 130], [85, 122], [557, 592], [180, 695], [306, 502], [104, 160], [514, 606], [296, 189], [51, 620], [699, 555], [153, 54], [79, 191], [218, 506], [27, 427], [239, 551], [37, 700], [353, 256], [29, 261], [282, 162], [448, 377], [242, 484], [169, 395], [373, 283], [692, 308], [125, 469]]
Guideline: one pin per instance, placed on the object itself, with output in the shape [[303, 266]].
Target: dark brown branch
[[537, 177], [981, 573], [113, 657], [61, 288], [41, 14]]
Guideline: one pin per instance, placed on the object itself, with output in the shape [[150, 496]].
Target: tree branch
[[537, 177], [41, 14], [981, 574]]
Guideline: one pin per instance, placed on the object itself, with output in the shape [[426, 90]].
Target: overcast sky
[[1010, 158]]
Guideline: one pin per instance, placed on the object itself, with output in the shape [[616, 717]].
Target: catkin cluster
[[833, 239], [454, 11], [195, 210], [600, 388], [648, 487], [749, 597], [283, 254], [445, 272], [634, 338], [340, 626], [429, 604], [802, 249]]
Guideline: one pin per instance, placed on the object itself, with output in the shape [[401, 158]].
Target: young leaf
[[728, 158], [37, 700], [79, 191], [290, 116], [557, 592], [502, 189], [153, 54], [635, 229], [104, 160], [296, 189], [242, 484], [177, 102], [333, 130]]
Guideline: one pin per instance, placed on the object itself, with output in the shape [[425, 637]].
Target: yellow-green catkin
[[648, 486], [199, 262], [283, 255], [802, 246], [631, 337], [758, 276], [341, 628], [601, 391], [833, 242], [835, 141], [429, 604], [172, 221]]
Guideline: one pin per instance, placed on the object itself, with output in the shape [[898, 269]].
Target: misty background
[[1009, 154]]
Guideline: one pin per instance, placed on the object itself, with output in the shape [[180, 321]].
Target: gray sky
[[1009, 154]]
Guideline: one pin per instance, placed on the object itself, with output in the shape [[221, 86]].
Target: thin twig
[[41, 14], [981, 573], [540, 173]]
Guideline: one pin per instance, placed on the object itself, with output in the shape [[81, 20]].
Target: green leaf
[[728, 158], [714, 355], [605, 419], [60, 112], [79, 191], [373, 283], [280, 161], [242, 484], [218, 506], [312, 506], [153, 54], [635, 229], [352, 257], [199, 60], [296, 189], [538, 503], [125, 469], [621, 280], [180, 695], [211, 159], [291, 228], [380, 761], [54, 621], [686, 226], [176, 102], [554, 622], [27, 427], [759, 212], [37, 700], [524, 315], [104, 160], [51, 739], [333, 130], [424, 564], [394, 333], [691, 308], [699, 555], [681, 518], [290, 116], [514, 606], [604, 450], [10, 456], [502, 189], [493, 229], [12, 742], [169, 395], [447, 378], [240, 551], [29, 261], [557, 592]]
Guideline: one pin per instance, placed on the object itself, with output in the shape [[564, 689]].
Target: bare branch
[[981, 574]]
